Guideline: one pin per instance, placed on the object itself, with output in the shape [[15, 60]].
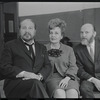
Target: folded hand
[[27, 75]]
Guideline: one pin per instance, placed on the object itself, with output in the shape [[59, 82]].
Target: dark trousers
[[38, 90], [31, 88], [86, 89]]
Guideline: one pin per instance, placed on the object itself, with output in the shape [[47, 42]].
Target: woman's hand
[[64, 82]]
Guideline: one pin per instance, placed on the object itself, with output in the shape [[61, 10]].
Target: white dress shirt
[[92, 46]]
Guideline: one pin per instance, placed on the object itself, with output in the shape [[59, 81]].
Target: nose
[[53, 35], [26, 30], [83, 34]]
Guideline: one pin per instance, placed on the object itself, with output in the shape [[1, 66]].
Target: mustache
[[84, 38], [26, 33]]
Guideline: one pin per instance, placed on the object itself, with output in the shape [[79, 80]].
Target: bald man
[[88, 60], [25, 64]]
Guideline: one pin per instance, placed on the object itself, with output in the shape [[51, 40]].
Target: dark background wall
[[97, 20], [12, 7], [74, 20], [7, 8]]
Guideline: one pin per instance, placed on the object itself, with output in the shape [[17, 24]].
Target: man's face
[[27, 30], [87, 34]]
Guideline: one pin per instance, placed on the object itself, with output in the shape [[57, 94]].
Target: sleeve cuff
[[21, 74], [90, 79], [71, 76]]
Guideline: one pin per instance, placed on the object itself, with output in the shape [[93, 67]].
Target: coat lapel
[[37, 54], [97, 49], [22, 45], [87, 53]]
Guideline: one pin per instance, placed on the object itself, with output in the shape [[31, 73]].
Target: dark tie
[[31, 51]]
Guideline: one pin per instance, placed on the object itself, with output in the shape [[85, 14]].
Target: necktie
[[91, 53], [31, 51]]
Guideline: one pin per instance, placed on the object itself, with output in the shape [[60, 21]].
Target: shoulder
[[97, 38], [10, 43], [79, 48], [47, 46], [40, 44], [66, 47]]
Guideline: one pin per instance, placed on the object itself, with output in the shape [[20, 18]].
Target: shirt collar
[[27, 42], [93, 43]]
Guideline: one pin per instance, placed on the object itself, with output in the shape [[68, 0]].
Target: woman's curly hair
[[57, 23]]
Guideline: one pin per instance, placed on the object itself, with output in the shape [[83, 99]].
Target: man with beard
[[25, 65], [88, 60]]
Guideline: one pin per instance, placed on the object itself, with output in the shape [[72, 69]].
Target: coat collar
[[49, 47]]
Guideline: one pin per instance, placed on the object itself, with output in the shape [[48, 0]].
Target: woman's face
[[55, 35]]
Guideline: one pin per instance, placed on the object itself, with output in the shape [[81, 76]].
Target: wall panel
[[97, 20], [73, 20]]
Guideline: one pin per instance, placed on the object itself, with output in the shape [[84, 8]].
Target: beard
[[86, 41], [27, 37]]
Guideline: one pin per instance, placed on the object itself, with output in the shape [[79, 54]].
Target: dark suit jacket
[[16, 58], [88, 68]]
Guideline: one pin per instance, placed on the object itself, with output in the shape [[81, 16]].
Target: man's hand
[[96, 83], [64, 82], [28, 75]]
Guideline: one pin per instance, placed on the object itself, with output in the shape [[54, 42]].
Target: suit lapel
[[87, 53], [22, 45], [97, 49], [37, 53]]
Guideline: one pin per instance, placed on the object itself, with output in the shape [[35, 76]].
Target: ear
[[61, 36], [95, 33], [35, 32]]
